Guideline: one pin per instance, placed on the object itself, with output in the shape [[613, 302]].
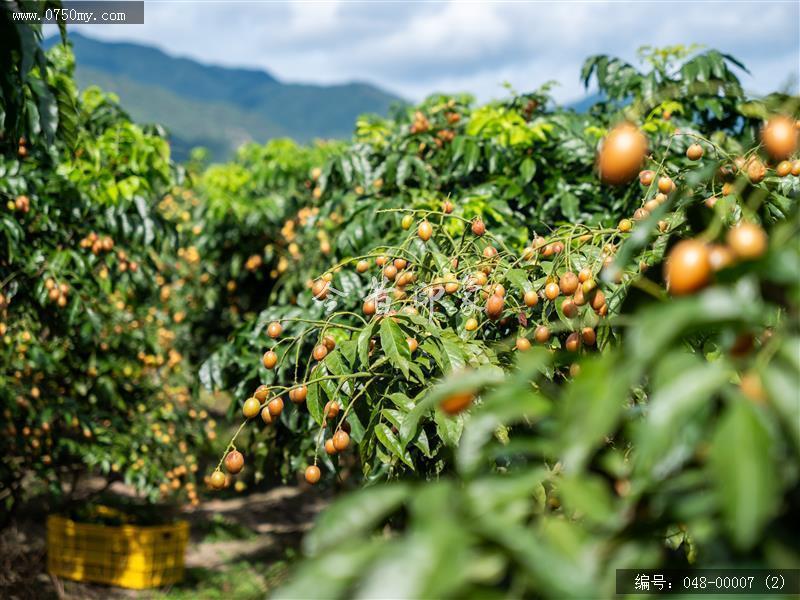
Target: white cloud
[[418, 48]]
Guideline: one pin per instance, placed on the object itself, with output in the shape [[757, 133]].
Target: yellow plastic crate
[[127, 556]]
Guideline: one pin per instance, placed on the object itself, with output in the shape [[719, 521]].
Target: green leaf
[[338, 569], [780, 383], [408, 426], [353, 515], [590, 408], [453, 355], [684, 386], [744, 473], [589, 496], [364, 338], [527, 170], [394, 345], [315, 403], [659, 326], [518, 278], [507, 496], [391, 443], [436, 545]]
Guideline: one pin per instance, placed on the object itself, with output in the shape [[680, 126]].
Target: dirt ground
[[259, 529]]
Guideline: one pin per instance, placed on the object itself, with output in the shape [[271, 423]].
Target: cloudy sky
[[415, 48]]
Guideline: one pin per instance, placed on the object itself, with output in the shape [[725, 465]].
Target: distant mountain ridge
[[219, 107]]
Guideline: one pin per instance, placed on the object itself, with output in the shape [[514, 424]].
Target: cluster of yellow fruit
[[191, 255], [58, 293], [420, 124], [253, 263], [624, 149], [175, 480], [21, 203], [270, 407], [692, 263], [124, 264], [97, 243]]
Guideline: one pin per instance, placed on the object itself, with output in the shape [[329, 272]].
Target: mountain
[[584, 104], [218, 107]]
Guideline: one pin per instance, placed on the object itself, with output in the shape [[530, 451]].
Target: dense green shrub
[[527, 170], [647, 431], [93, 376]]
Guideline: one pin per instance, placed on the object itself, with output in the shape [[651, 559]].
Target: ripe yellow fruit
[[274, 330], [665, 184], [494, 306], [320, 289], [752, 387], [362, 266], [275, 407], [756, 171], [621, 154], [573, 343], [568, 283], [471, 324], [551, 291], [497, 289], [651, 205], [425, 231], [457, 402], [217, 480], [779, 137], [320, 352], [523, 344], [261, 393], [625, 225], [251, 408], [341, 440], [312, 474], [234, 462], [412, 344], [407, 221], [783, 168], [694, 152], [298, 395], [747, 240], [569, 308], [720, 257], [531, 298], [270, 359], [479, 278], [541, 334], [688, 267], [331, 410]]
